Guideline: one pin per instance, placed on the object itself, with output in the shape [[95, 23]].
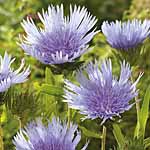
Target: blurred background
[[25, 106]]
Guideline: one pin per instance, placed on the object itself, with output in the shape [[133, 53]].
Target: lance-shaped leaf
[[143, 115], [144, 111], [51, 90], [147, 142], [89, 133], [118, 135]]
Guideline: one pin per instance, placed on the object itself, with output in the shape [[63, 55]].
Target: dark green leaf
[[51, 90], [89, 133], [147, 142], [144, 111], [143, 115], [49, 77], [118, 135]]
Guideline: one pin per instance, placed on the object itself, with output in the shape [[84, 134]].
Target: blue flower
[[126, 35], [8, 76], [101, 94], [55, 136], [62, 38]]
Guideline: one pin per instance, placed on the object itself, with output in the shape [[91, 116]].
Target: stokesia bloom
[[62, 38], [101, 94], [8, 76], [55, 136], [126, 35]]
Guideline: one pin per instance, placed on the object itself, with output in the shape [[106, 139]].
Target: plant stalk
[[137, 103], [69, 116], [1, 131], [103, 141]]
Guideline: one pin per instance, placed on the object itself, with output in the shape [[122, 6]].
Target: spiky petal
[[63, 38], [126, 35], [8, 76], [55, 136], [101, 94]]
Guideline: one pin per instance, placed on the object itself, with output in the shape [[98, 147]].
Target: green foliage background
[[30, 100]]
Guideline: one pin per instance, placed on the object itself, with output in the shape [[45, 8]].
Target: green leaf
[[137, 128], [147, 142], [118, 135], [89, 133], [49, 99], [36, 86], [24, 104], [51, 90], [144, 111], [49, 77], [143, 115]]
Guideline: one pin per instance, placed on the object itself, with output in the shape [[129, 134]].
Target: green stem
[[1, 132], [69, 117], [137, 103], [138, 115], [137, 107], [103, 142], [1, 139], [19, 121]]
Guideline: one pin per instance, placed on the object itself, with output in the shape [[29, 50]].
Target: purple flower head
[[126, 35], [100, 94], [62, 38], [8, 76], [55, 136]]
